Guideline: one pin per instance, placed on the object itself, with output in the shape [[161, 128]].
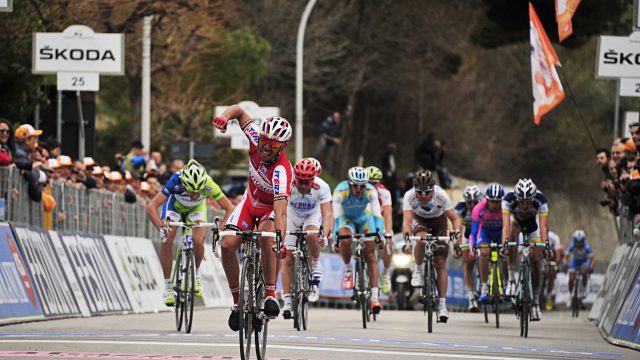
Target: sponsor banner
[[215, 287], [71, 276], [622, 281], [18, 299], [50, 280], [456, 291], [139, 268], [561, 288], [627, 326], [97, 273], [603, 296]]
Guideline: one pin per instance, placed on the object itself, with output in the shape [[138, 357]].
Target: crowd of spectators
[[138, 175], [621, 183]]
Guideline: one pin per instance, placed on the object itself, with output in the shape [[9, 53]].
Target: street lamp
[[299, 50]]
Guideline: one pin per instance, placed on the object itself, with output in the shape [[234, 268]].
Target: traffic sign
[[618, 56], [79, 49], [78, 81]]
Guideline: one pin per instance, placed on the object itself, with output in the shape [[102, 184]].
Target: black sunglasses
[[424, 192], [6, 131], [358, 186]]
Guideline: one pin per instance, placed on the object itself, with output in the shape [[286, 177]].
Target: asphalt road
[[333, 334]]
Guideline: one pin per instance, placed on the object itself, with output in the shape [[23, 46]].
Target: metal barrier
[[77, 210]]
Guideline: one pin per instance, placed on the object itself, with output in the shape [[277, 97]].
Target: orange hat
[[65, 160], [88, 161], [53, 163], [25, 131], [127, 175], [97, 170], [144, 186], [115, 176], [629, 146]]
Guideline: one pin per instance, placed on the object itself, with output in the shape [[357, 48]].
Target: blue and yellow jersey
[[345, 204]]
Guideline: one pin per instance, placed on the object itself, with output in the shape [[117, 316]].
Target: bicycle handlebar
[[191, 226], [428, 238], [306, 232], [360, 236], [270, 234], [531, 244]]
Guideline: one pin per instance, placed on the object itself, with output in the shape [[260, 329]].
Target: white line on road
[[285, 347]]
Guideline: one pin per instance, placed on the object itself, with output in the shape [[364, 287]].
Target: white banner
[[71, 276], [78, 81], [562, 288], [618, 57], [630, 87], [214, 281], [78, 49], [139, 268]]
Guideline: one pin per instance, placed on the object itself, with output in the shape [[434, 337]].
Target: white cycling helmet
[[276, 128], [471, 193], [525, 189], [358, 176]]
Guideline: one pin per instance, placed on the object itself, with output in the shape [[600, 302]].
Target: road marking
[[103, 355], [284, 347], [321, 338]]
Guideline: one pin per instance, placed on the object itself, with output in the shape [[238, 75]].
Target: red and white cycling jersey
[[267, 182], [384, 196]]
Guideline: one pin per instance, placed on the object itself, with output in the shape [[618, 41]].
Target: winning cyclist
[[264, 203], [556, 247], [309, 207], [530, 210], [426, 208], [486, 229], [464, 209], [350, 201], [384, 197], [579, 256], [184, 197]]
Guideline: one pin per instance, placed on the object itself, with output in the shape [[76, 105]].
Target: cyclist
[[464, 209], [309, 207], [350, 200], [530, 209], [384, 197], [264, 203], [317, 164], [582, 258], [184, 198], [556, 247], [486, 229], [426, 208]]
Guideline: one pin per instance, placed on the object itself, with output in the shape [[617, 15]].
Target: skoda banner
[[140, 270], [50, 279], [18, 298], [97, 273]]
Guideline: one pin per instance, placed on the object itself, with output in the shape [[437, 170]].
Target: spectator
[[426, 153], [64, 171], [176, 165], [135, 161], [603, 156], [617, 152], [98, 174], [6, 143], [25, 159], [54, 148], [444, 178], [330, 139], [634, 129], [630, 150], [389, 167]]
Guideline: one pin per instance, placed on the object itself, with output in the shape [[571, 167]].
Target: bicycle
[[362, 290], [302, 283], [184, 273], [429, 294], [496, 289], [251, 316], [576, 295], [524, 290]]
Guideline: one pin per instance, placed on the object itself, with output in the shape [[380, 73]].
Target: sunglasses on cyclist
[[357, 186], [423, 192], [273, 143]]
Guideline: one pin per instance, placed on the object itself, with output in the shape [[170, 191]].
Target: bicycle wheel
[[427, 292], [189, 294], [178, 306], [526, 304], [362, 292], [495, 296], [261, 324], [575, 297], [295, 289], [245, 308], [300, 294], [304, 307]]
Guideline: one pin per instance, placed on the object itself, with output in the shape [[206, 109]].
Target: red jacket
[[5, 156]]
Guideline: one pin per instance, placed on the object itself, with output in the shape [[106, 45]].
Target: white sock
[[374, 294], [168, 284], [347, 267], [512, 274], [443, 302], [420, 268], [287, 298], [470, 294], [197, 272], [484, 287]]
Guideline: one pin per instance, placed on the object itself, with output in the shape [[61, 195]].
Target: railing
[[77, 210]]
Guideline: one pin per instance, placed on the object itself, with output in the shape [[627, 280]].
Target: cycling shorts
[[364, 224], [575, 264], [295, 222], [246, 216], [436, 226], [486, 238], [178, 212]]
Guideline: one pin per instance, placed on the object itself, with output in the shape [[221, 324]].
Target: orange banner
[[564, 13], [547, 88]]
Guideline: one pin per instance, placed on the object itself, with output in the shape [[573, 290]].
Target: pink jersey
[[267, 182], [485, 222]]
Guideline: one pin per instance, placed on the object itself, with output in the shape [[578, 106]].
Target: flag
[[547, 88], [564, 12]]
